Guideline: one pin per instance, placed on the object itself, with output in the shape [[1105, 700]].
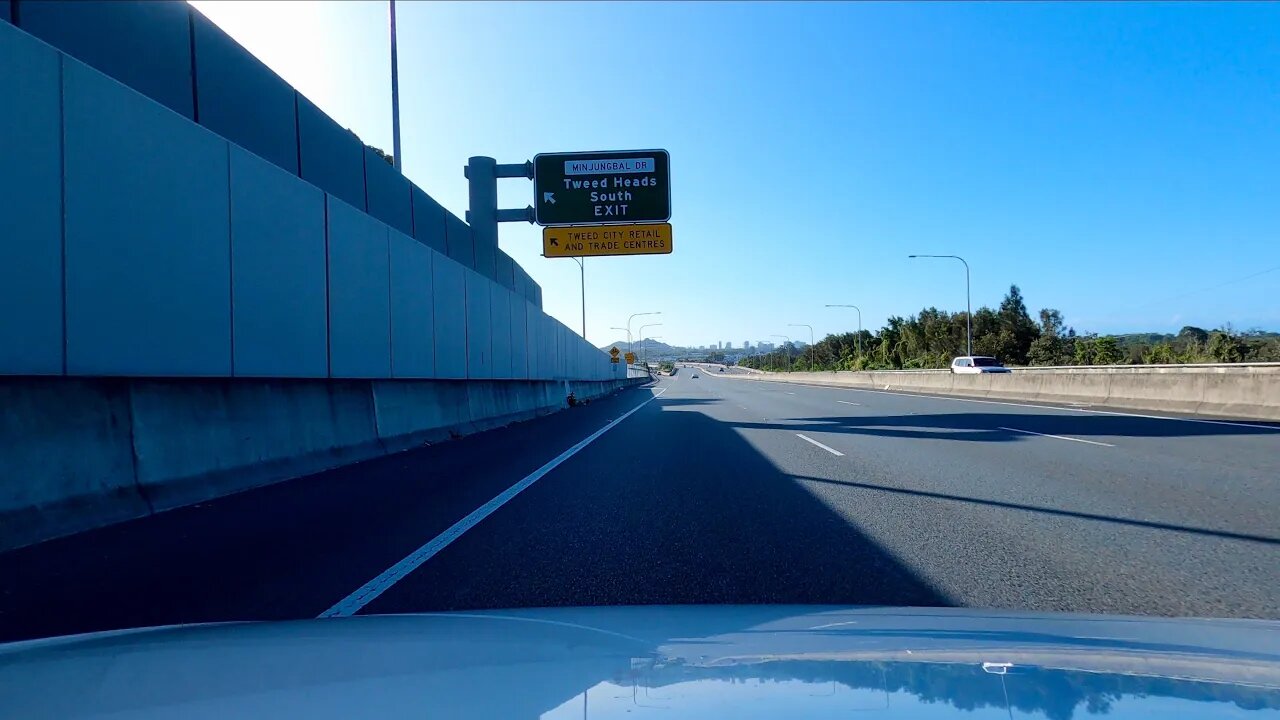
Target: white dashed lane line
[[831, 450]]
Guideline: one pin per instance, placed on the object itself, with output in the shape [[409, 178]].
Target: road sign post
[[590, 188]]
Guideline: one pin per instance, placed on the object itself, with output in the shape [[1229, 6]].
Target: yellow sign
[[595, 240], [631, 358], [613, 354]]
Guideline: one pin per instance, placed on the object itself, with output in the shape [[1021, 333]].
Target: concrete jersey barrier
[[1247, 391], [82, 453]]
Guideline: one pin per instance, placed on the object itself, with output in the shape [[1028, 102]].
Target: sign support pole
[[482, 175]]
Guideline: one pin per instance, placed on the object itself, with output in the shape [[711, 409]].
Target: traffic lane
[[1248, 444], [671, 507], [283, 551], [1027, 524], [1214, 476]]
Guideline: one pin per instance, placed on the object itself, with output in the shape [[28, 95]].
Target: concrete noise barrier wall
[[81, 453]]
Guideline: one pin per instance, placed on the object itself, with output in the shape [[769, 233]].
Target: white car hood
[[669, 662]]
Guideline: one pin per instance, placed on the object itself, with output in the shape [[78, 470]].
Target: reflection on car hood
[[668, 662]]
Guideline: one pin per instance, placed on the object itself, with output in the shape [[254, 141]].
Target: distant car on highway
[[721, 369], [977, 364], [694, 376]]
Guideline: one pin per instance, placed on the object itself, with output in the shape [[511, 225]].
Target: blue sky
[[1120, 162]]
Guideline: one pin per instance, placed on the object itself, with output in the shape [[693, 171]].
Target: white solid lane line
[[1058, 437], [791, 393], [367, 593], [846, 402], [833, 451]]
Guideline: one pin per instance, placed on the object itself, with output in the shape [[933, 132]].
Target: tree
[[1017, 329], [1106, 351], [1160, 354], [1056, 344], [1226, 347], [383, 154], [1191, 334]]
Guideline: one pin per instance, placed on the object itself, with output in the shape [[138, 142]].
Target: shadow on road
[[1049, 511], [674, 507], [986, 427]]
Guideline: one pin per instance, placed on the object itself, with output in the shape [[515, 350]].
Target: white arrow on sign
[[549, 197]]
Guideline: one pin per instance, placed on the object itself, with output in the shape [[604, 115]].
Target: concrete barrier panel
[[534, 341], [278, 272], [145, 45], [450, 292], [413, 413], [1171, 392], [1252, 393], [412, 313], [500, 307], [241, 99], [535, 293], [67, 455], [1016, 386], [359, 294], [519, 336], [148, 257], [458, 238], [30, 206], [521, 279], [479, 326], [428, 221], [506, 271], [330, 157], [1088, 388], [5, 13], [198, 440], [388, 193]]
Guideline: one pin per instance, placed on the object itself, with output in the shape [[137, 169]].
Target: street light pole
[[582, 270], [645, 348], [628, 332], [811, 356], [968, 307], [855, 307], [634, 316], [788, 339], [395, 94], [641, 336]]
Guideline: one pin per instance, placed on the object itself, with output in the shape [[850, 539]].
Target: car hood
[[669, 662]]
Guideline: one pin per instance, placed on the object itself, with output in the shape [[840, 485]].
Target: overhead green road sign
[[618, 187]]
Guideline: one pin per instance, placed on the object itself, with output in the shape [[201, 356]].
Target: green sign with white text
[[595, 188]]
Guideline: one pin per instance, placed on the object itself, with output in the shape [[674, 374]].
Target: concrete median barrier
[[194, 440], [1252, 392], [65, 454], [82, 453], [1245, 391]]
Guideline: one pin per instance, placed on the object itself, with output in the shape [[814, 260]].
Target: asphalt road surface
[[717, 490]]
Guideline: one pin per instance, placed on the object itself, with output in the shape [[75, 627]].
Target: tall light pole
[[855, 307], [395, 94], [788, 339], [645, 348], [634, 316], [628, 332], [640, 334], [582, 270], [810, 340], [968, 308]]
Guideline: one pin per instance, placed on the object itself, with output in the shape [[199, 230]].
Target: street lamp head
[[913, 256]]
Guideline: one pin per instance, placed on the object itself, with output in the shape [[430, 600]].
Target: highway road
[[712, 490]]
